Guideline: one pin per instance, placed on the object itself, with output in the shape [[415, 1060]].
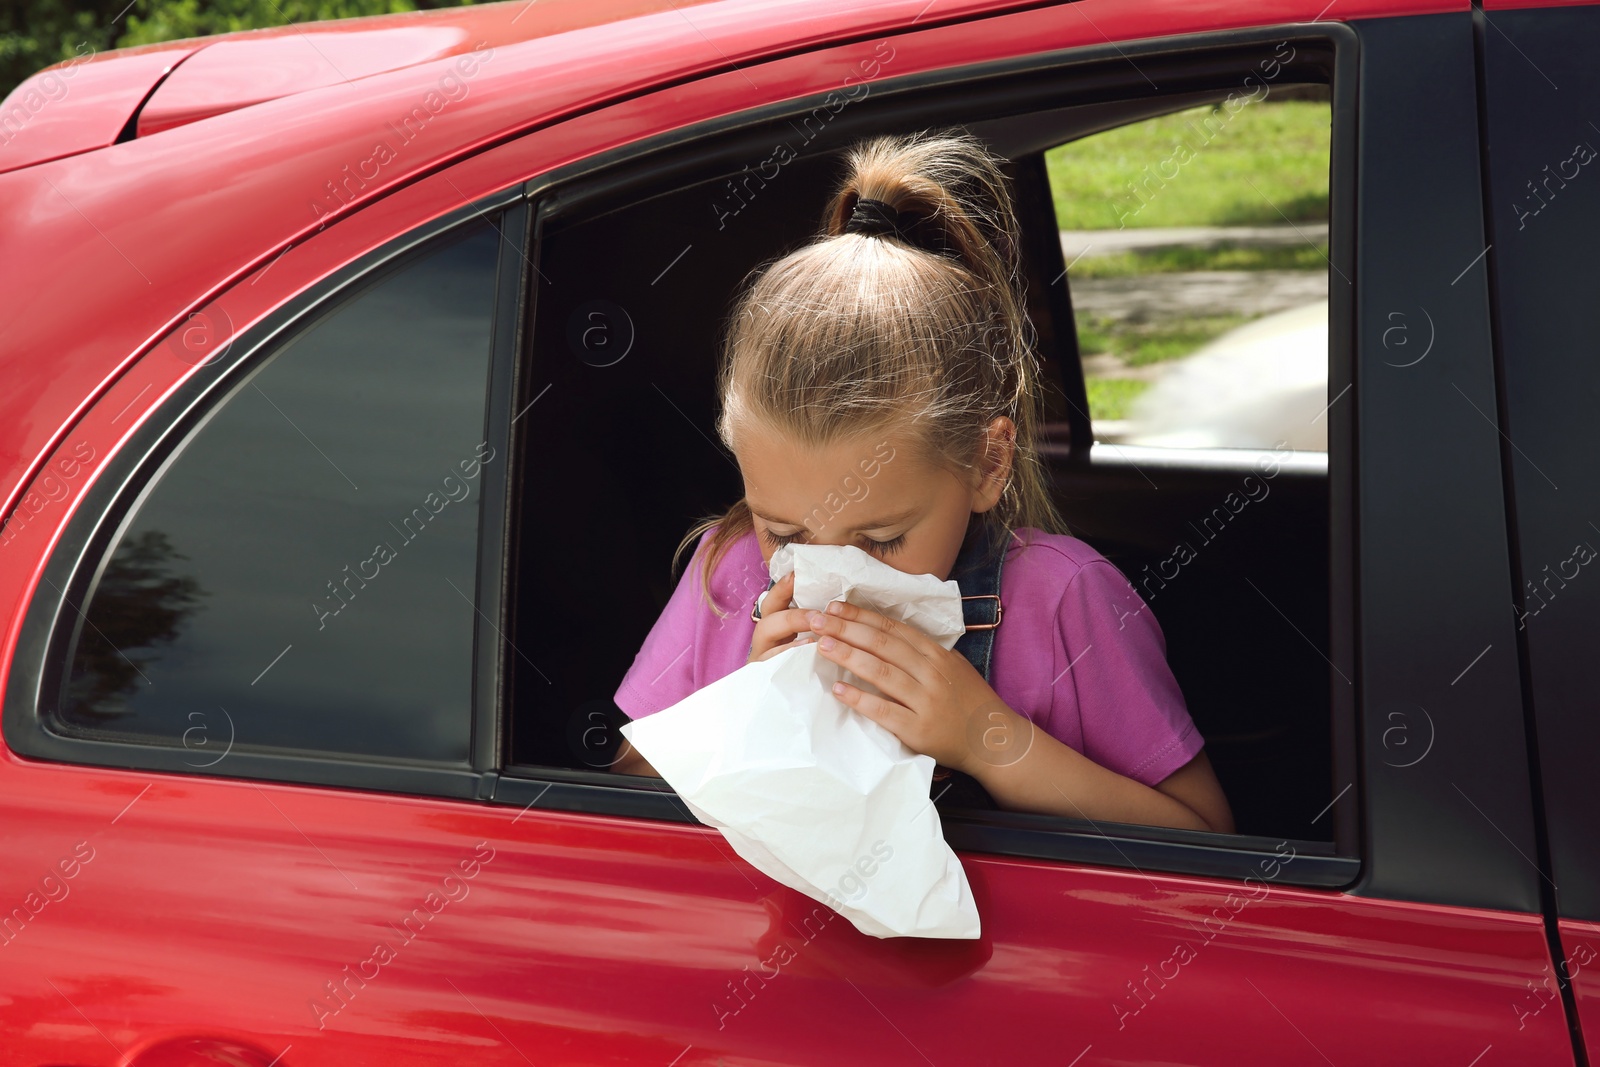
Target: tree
[[139, 606]]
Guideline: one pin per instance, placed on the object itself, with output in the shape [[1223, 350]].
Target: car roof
[[140, 91], [128, 232]]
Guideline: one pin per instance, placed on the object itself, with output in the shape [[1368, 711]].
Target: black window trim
[[127, 475], [1103, 72]]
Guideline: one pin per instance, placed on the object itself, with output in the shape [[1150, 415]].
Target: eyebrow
[[888, 520]]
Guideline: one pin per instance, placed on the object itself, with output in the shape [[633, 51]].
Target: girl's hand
[[779, 623], [933, 699], [939, 705]]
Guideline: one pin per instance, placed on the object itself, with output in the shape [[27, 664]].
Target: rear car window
[[298, 575]]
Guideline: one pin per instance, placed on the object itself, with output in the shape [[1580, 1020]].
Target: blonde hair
[[853, 334]]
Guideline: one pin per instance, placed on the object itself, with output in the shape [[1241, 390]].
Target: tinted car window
[[299, 572]]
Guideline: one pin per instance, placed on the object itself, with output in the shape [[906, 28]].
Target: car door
[[272, 579], [395, 878], [1113, 943]]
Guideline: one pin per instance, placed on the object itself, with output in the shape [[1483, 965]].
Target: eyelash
[[894, 544]]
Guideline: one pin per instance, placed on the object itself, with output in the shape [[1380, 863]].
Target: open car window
[[622, 358], [1197, 247]]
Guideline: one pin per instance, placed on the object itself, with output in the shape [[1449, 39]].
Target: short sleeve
[[663, 670], [690, 646], [1132, 712]]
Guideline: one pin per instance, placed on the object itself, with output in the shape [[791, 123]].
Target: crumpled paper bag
[[805, 788]]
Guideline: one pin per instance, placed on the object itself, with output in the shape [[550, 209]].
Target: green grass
[[1095, 334], [1279, 147], [1264, 164], [1225, 256], [1109, 397], [1138, 344]]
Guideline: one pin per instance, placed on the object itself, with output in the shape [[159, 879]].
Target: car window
[[620, 375], [1197, 252], [616, 418], [299, 574]]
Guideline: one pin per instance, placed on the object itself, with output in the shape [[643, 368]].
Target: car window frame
[[39, 664], [714, 148]]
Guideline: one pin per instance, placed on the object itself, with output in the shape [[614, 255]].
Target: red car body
[[171, 199]]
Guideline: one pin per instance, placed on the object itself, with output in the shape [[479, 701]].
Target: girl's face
[[871, 491]]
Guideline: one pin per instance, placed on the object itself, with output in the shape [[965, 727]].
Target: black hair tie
[[877, 218], [874, 217]]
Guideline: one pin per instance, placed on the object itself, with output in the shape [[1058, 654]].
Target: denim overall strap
[[977, 572]]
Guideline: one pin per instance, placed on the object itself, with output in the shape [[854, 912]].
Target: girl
[[879, 388]]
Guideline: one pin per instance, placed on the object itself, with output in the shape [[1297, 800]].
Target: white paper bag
[[807, 789]]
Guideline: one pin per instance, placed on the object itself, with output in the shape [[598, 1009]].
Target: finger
[[781, 630], [912, 635], [779, 596], [891, 643], [887, 676], [886, 713], [782, 626], [935, 667]]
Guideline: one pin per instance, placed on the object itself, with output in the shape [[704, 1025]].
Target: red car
[[357, 385]]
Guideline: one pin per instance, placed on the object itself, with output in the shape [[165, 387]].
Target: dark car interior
[[625, 438]]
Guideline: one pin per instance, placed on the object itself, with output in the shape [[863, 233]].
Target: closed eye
[[779, 540], [894, 544]]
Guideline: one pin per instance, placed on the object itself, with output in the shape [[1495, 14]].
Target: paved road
[[1107, 242], [1153, 297]]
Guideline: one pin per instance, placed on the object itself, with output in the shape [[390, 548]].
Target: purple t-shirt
[[1078, 651]]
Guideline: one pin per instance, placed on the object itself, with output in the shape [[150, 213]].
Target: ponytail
[[923, 328]]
